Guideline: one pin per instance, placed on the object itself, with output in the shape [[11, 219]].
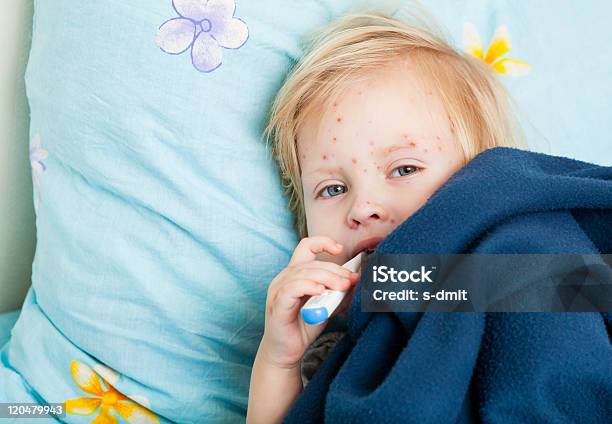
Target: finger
[[330, 279], [330, 266], [289, 296], [279, 281], [309, 247]]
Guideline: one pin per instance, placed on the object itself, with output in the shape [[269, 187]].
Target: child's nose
[[366, 213]]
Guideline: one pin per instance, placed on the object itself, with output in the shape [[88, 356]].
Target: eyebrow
[[400, 146], [396, 147], [320, 171]]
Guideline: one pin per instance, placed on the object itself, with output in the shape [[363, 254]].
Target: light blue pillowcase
[[159, 214], [160, 217]]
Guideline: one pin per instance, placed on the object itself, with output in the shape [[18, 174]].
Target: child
[[368, 126]]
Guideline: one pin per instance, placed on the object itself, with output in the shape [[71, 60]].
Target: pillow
[[160, 217], [159, 213]]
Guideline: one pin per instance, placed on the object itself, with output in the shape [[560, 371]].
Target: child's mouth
[[366, 246], [368, 251]]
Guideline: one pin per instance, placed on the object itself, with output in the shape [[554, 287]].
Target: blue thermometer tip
[[314, 316]]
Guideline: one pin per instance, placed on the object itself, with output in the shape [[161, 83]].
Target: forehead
[[383, 108]]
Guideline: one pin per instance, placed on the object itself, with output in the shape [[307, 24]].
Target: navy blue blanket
[[472, 367]]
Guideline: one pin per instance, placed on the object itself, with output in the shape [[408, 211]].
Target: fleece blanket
[[491, 367]]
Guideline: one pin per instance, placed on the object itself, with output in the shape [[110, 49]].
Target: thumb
[[313, 331]]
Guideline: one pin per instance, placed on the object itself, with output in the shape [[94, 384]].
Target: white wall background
[[17, 222]]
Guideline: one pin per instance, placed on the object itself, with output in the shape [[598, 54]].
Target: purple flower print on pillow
[[204, 26], [37, 155]]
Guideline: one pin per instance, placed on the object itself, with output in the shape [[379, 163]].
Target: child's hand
[[286, 335]]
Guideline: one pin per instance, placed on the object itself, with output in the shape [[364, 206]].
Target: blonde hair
[[477, 104]]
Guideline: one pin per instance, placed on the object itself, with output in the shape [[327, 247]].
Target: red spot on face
[[365, 169], [338, 119], [354, 160], [392, 221], [425, 150], [324, 157], [437, 137], [335, 104], [439, 149], [412, 144], [430, 93]]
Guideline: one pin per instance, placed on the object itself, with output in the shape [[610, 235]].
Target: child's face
[[380, 152]]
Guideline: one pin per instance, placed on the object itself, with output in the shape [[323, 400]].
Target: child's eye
[[406, 169], [332, 190]]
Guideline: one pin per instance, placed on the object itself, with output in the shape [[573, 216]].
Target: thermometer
[[319, 308]]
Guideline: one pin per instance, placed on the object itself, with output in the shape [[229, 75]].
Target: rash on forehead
[[343, 125]]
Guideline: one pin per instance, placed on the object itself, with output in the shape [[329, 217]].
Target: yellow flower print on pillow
[[499, 46], [106, 397]]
